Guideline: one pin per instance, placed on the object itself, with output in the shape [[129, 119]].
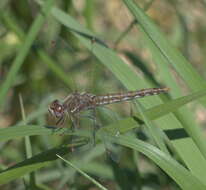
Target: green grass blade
[[56, 69], [83, 173], [174, 57], [182, 176], [172, 105], [11, 25], [18, 61], [34, 163], [22, 131], [27, 143], [153, 131]]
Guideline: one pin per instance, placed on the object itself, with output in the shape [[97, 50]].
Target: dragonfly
[[72, 106], [76, 102]]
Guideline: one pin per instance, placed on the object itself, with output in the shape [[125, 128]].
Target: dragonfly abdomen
[[121, 97]]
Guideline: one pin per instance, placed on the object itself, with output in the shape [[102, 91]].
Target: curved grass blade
[[173, 105], [182, 176], [173, 56], [180, 64], [36, 162], [153, 153], [153, 131]]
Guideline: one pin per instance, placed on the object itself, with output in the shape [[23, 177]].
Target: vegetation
[[49, 49]]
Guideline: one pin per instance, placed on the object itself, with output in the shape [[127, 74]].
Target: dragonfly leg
[[110, 147], [75, 122], [95, 126], [60, 120]]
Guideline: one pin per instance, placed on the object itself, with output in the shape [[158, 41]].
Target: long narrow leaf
[[17, 63]]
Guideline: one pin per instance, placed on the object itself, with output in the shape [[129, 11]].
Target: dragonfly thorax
[[77, 102]]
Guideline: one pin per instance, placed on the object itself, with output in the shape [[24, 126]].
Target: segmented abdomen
[[121, 97]]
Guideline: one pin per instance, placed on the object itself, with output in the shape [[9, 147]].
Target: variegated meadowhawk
[[76, 102]]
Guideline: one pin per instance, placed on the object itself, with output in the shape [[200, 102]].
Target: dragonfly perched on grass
[[76, 102]]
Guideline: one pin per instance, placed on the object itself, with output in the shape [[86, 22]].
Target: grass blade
[[83, 173], [18, 61]]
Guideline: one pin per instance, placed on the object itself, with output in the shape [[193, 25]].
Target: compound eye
[[55, 102]]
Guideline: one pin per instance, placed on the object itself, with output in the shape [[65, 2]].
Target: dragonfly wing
[[111, 148]]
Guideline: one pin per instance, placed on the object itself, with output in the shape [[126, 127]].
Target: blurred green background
[[57, 63]]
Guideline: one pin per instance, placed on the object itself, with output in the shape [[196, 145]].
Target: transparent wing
[[113, 151]]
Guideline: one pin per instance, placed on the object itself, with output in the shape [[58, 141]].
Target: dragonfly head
[[56, 108]]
